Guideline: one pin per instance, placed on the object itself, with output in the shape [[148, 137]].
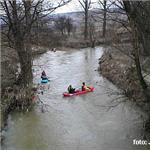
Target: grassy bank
[[14, 97], [120, 70]]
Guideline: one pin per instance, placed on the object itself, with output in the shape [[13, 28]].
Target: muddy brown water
[[85, 122]]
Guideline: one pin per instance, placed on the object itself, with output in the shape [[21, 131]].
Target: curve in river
[[75, 123]]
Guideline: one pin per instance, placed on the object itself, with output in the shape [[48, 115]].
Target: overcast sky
[[72, 6]]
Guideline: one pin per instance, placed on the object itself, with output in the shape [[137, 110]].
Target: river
[[94, 121]]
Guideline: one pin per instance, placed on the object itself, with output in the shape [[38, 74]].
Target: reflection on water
[[75, 123]]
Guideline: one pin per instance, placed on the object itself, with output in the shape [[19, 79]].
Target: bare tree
[[137, 15], [132, 9], [69, 25], [104, 8], [64, 24], [19, 16], [60, 24], [138, 12], [92, 32], [86, 6]]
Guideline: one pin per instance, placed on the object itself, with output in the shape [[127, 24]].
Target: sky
[[72, 6]]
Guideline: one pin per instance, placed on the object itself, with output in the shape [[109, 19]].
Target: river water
[[94, 121]]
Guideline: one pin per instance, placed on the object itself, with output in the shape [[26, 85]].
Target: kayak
[[44, 81], [78, 92]]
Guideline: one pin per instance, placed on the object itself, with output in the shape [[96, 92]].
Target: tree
[[132, 9], [104, 8], [92, 32], [86, 6], [138, 12], [19, 16], [60, 24], [69, 25], [64, 24], [136, 20]]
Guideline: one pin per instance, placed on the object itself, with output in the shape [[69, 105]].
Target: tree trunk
[[145, 39], [25, 59], [141, 18], [86, 21], [104, 19], [93, 44], [136, 49], [22, 45]]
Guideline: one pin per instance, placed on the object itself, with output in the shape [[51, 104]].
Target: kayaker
[[53, 49], [84, 87], [71, 89], [43, 75]]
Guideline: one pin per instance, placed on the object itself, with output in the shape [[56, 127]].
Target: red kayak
[[78, 92]]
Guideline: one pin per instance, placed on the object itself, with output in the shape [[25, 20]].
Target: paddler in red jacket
[[84, 87]]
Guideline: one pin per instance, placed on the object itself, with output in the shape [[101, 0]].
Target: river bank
[[12, 96], [120, 70]]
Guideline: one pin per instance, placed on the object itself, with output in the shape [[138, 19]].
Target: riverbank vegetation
[[125, 62]]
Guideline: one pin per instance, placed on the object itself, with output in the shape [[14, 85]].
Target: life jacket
[[84, 87], [44, 77]]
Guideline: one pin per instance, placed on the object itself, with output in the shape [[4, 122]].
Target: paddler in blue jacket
[[44, 76]]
